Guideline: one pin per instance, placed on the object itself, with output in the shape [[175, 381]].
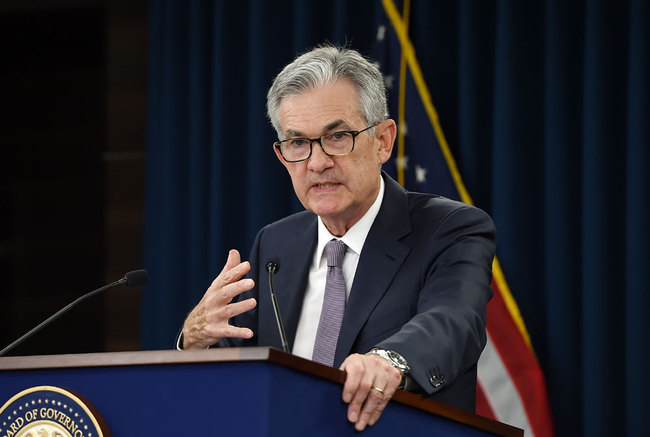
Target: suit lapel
[[290, 288], [382, 255]]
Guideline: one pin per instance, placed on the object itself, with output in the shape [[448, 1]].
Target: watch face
[[397, 359]]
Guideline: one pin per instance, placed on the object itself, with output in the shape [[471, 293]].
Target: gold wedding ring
[[378, 389]]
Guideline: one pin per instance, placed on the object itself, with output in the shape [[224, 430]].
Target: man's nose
[[319, 160]]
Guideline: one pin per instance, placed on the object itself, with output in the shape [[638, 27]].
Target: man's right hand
[[208, 321]]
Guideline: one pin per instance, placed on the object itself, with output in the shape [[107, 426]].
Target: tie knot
[[335, 249]]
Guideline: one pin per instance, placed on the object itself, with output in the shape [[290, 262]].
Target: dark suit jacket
[[421, 288]]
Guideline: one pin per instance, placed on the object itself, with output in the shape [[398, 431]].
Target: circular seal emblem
[[48, 411]]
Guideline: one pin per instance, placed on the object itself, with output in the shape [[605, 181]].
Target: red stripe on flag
[[483, 407], [521, 364]]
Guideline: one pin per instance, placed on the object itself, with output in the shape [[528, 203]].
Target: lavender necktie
[[333, 305]]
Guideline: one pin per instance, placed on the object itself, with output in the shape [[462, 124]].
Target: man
[[407, 304]]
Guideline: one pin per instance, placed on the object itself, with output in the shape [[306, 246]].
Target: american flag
[[511, 385]]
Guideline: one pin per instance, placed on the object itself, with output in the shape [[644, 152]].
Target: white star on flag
[[404, 129], [388, 81], [420, 174], [381, 33], [402, 162]]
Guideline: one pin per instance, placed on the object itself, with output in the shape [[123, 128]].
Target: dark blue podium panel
[[237, 398]]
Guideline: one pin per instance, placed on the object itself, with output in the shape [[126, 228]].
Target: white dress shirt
[[312, 304]]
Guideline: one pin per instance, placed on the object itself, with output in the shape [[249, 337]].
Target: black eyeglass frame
[[355, 133]]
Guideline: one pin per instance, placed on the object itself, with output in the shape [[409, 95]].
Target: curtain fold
[[603, 230], [563, 54], [546, 107], [637, 216]]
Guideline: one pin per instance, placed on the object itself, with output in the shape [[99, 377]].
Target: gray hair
[[325, 65]]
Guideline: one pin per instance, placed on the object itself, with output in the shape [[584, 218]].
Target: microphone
[[272, 267], [131, 279]]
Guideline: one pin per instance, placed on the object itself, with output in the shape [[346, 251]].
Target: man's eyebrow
[[333, 125], [293, 134]]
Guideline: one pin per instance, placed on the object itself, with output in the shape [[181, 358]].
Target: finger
[[232, 271], [387, 380], [215, 326], [205, 323], [237, 308], [231, 275], [372, 408], [386, 396], [229, 331], [226, 294], [354, 370], [233, 259], [216, 312], [232, 310], [359, 397], [374, 416], [383, 381]]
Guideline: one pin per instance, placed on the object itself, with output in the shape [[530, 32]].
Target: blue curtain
[[546, 107]]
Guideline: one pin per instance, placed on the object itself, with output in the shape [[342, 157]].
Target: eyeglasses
[[333, 144]]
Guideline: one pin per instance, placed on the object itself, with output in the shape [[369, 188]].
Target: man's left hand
[[370, 383]]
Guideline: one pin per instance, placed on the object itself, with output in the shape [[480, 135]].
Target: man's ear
[[385, 134], [279, 155]]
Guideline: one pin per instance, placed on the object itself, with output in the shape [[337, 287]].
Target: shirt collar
[[355, 237]]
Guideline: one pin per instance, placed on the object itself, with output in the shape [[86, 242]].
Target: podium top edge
[[152, 357], [170, 357]]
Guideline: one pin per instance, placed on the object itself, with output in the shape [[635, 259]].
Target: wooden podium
[[228, 392]]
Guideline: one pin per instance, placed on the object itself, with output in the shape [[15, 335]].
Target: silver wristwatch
[[393, 358]]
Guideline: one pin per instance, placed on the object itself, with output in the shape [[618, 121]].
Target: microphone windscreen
[[273, 264], [136, 277]]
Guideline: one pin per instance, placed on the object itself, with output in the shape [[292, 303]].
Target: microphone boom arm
[[135, 277]]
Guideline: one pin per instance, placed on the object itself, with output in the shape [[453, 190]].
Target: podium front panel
[[242, 398]]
